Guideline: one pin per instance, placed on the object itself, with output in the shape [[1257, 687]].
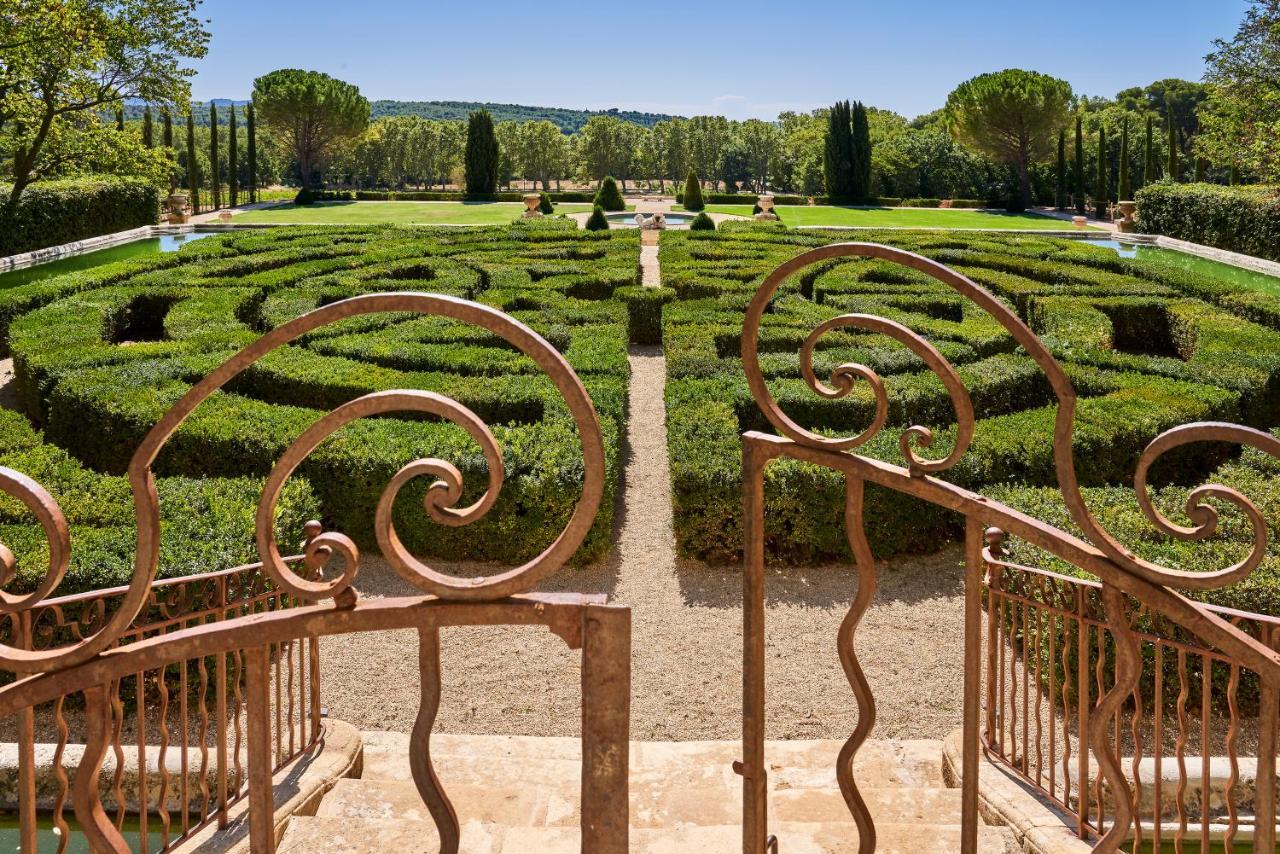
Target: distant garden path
[[687, 640]]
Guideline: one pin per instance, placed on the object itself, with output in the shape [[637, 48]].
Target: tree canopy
[[481, 159], [1012, 116], [312, 110], [62, 63], [1242, 122]]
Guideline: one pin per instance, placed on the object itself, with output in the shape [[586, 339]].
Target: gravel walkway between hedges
[[687, 638]]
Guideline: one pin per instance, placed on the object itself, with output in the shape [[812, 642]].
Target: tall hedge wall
[[50, 213], [115, 346], [1143, 346], [1240, 219]]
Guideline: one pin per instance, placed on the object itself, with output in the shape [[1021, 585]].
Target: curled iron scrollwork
[[93, 635]]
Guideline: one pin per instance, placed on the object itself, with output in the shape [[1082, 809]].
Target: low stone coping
[[76, 247]]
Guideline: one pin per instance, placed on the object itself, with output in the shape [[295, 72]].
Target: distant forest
[[569, 121]]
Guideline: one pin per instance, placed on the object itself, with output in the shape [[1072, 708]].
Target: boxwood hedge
[[100, 355], [50, 213], [1146, 346]]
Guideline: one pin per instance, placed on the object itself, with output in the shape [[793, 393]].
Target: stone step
[[791, 764], [345, 835], [654, 804]]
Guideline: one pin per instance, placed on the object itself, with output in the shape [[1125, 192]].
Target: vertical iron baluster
[[238, 702], [162, 758], [1082, 715], [314, 647], [1026, 694], [1180, 751], [974, 567], [1206, 749], [202, 736], [27, 817], [141, 718], [1264, 798], [276, 655], [60, 776], [184, 720], [1098, 668], [1038, 651], [1053, 706], [1157, 779], [103, 833], [1233, 729], [117, 730], [289, 691], [258, 703], [755, 823], [606, 723]]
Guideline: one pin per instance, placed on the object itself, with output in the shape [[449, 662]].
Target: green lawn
[[899, 217], [401, 213]]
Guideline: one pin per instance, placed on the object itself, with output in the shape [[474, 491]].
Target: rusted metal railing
[[236, 652], [177, 732], [1099, 640], [1192, 733]]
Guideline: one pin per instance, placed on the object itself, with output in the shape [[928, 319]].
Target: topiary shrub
[[597, 221], [1239, 219], [702, 222], [50, 213], [692, 197], [544, 204], [609, 196], [306, 196]]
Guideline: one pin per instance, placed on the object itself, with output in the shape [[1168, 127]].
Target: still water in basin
[[629, 219], [1195, 264], [134, 249]]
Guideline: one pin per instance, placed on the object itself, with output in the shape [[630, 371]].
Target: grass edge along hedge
[[1238, 219], [51, 213]]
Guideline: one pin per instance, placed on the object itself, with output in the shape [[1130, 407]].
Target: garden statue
[[531, 202], [656, 222]]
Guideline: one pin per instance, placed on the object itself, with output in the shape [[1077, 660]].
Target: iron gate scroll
[[1122, 574], [97, 659]]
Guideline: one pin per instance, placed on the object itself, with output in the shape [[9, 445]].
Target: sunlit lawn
[[419, 213], [900, 217]]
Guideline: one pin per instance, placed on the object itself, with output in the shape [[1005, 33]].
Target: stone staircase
[[515, 795]]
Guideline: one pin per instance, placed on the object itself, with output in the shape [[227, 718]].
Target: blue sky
[[740, 59]]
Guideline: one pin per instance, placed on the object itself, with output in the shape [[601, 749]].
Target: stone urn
[[1079, 222], [176, 208], [531, 202], [766, 208], [224, 216], [1126, 223]]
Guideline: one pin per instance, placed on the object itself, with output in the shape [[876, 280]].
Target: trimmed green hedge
[[439, 196], [117, 346], [1240, 219], [50, 213], [1143, 353]]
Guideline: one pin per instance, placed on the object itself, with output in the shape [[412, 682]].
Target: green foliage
[[1101, 185], [692, 198], [1242, 119], [1147, 347], [51, 213], [1149, 156], [1240, 219], [193, 165], [1012, 116], [183, 314], [481, 161], [148, 131], [860, 136], [1126, 187], [644, 312], [1077, 172], [251, 130], [843, 159], [609, 197], [233, 172], [597, 221], [1171, 171], [62, 64], [215, 172], [1060, 187], [702, 222], [544, 204], [312, 110]]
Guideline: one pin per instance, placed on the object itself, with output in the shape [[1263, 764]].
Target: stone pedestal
[[176, 209], [1126, 223], [1079, 222], [531, 202]]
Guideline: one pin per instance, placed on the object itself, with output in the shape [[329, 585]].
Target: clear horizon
[[689, 60]]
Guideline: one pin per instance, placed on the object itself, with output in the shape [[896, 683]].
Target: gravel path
[[687, 638]]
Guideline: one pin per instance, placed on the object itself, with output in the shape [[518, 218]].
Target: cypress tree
[[837, 155], [1234, 176], [167, 120], [215, 174], [1201, 167], [609, 197], [147, 132], [233, 177], [693, 192], [1100, 186], [1125, 190], [481, 161], [1149, 161], [1060, 196], [597, 221], [252, 131], [120, 119], [1173, 150], [860, 148], [1079, 170], [193, 167]]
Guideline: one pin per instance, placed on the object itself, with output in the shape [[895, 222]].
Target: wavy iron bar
[[105, 646], [1124, 576]]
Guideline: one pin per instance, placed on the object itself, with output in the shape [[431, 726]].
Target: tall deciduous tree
[[62, 63], [1125, 189], [193, 166], [481, 158], [312, 110], [251, 130], [1242, 122], [233, 175], [215, 173], [1012, 116]]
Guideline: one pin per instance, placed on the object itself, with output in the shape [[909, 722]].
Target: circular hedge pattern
[[100, 355]]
